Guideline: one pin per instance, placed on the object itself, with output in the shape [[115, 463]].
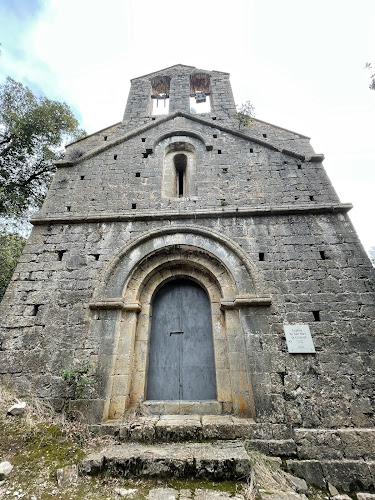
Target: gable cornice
[[194, 118]]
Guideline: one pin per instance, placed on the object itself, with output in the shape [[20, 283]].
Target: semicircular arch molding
[[184, 261], [118, 272], [177, 135]]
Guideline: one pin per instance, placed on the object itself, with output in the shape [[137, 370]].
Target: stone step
[[176, 428], [223, 460]]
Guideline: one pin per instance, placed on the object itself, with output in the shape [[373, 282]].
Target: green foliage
[[32, 134], [369, 66], [372, 255], [11, 246], [244, 115], [77, 380]]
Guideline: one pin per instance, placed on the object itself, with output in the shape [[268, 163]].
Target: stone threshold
[[175, 428], [182, 407]]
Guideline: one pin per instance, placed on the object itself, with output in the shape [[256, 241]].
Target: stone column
[[243, 404], [123, 364]]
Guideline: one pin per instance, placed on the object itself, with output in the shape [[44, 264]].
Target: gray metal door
[[181, 359]]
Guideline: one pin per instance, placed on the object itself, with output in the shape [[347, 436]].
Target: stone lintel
[[250, 301], [115, 303], [197, 214]]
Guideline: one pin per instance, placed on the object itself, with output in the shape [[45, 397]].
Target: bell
[[200, 97]]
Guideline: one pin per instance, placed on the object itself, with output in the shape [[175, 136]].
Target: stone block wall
[[265, 193], [46, 315], [232, 173]]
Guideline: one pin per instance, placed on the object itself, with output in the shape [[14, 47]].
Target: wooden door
[[181, 359]]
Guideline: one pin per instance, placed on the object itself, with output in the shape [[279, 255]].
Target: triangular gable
[[193, 118]]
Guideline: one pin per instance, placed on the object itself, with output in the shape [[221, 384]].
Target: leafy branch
[[244, 115], [77, 380], [370, 67]]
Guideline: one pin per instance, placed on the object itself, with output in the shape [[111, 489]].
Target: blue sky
[[301, 63]]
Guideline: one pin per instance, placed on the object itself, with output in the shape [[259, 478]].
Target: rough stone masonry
[[172, 194]]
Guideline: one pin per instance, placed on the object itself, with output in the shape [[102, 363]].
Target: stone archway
[[128, 294]]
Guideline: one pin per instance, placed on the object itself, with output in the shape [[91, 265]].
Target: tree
[[32, 134], [372, 255], [244, 115], [11, 246], [372, 77]]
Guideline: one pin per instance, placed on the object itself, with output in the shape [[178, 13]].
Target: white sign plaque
[[298, 339]]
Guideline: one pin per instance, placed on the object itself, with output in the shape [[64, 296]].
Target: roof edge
[[94, 133], [174, 66], [118, 140]]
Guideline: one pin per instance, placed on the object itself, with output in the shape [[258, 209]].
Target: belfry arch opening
[[200, 93], [160, 95]]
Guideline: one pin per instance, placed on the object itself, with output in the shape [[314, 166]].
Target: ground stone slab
[[203, 494], [67, 476], [126, 492], [163, 494], [220, 460], [281, 496]]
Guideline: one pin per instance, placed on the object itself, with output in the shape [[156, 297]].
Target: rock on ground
[[17, 409], [67, 476], [126, 492], [5, 469]]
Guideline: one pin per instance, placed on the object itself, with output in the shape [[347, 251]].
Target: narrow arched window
[[179, 171], [180, 163]]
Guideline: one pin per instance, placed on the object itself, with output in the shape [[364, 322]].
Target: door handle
[[175, 333]]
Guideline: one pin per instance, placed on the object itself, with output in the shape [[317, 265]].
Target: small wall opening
[[60, 254], [160, 95], [180, 163], [36, 309], [200, 93], [316, 315]]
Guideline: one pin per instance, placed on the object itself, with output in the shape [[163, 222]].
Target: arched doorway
[[126, 294], [181, 353]]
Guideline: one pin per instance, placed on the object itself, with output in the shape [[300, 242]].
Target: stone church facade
[[246, 221]]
